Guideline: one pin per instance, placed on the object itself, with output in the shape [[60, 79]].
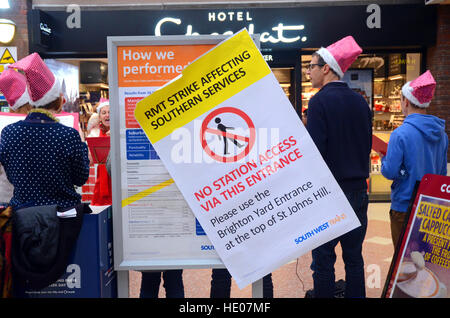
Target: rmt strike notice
[[267, 206]]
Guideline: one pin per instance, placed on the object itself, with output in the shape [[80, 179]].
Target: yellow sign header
[[213, 78]]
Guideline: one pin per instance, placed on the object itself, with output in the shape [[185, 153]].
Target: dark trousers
[[397, 222], [221, 284], [173, 284], [324, 257]]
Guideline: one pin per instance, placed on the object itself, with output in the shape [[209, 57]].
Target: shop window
[[284, 77], [307, 90]]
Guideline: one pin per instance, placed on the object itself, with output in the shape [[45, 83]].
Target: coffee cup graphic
[[423, 284]]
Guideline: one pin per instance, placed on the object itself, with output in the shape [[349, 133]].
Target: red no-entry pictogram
[[244, 143]]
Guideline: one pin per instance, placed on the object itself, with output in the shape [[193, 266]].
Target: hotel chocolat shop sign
[[278, 32], [279, 28]]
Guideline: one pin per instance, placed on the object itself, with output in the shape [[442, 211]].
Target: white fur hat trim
[[330, 60], [22, 100], [407, 92]]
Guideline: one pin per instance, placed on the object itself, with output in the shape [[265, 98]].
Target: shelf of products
[[387, 117], [387, 103], [284, 77]]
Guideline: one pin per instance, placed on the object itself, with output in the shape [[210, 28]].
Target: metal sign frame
[[121, 265]]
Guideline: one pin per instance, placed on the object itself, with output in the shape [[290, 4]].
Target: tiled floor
[[294, 279]]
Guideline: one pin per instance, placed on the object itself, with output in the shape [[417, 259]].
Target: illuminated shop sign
[[278, 33], [42, 32], [78, 31], [45, 29]]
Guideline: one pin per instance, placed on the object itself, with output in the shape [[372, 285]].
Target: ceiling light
[[4, 4], [7, 30]]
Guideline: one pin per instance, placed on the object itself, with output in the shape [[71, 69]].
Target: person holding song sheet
[[43, 159], [417, 147]]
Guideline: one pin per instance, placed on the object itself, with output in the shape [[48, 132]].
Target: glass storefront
[[285, 76]]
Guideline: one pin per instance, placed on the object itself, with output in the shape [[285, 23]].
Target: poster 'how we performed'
[[263, 199], [154, 226]]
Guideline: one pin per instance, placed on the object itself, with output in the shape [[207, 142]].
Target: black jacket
[[340, 124], [42, 244]]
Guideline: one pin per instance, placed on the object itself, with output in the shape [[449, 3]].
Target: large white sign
[[243, 161]]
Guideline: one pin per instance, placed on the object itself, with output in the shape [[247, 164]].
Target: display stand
[[99, 148], [89, 272], [133, 158]]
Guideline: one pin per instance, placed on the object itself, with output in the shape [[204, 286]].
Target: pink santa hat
[[102, 103], [43, 86], [421, 90], [13, 85], [341, 54]]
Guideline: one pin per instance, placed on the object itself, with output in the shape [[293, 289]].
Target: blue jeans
[[173, 284], [221, 284], [324, 257]]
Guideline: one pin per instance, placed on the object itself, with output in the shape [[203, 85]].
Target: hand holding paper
[[379, 145]]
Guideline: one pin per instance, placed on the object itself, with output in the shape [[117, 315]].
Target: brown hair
[[54, 105], [411, 103], [321, 61]]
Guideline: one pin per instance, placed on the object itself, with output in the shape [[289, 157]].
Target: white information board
[[154, 228]]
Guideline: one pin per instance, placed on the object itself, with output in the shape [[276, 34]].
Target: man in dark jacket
[[340, 124]]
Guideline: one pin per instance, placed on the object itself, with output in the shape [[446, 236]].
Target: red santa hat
[[102, 103], [341, 54], [43, 86], [13, 85], [421, 90]]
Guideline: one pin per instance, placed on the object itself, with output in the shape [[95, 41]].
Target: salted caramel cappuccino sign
[[422, 266]]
